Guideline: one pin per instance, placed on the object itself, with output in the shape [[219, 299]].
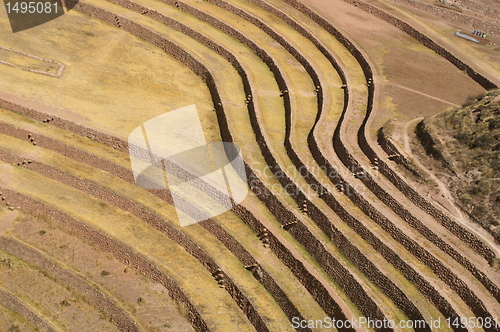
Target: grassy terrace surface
[[455, 238], [103, 302], [12, 320], [126, 229], [344, 244], [47, 296], [14, 305], [297, 88], [93, 93], [302, 111], [141, 298], [84, 171], [257, 297]]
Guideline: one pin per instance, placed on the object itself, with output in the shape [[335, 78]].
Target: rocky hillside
[[467, 143]]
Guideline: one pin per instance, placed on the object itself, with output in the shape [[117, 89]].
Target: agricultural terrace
[[321, 98]]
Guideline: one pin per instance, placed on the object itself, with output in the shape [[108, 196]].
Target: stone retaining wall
[[253, 116], [150, 218], [351, 163], [10, 302], [246, 259], [452, 15], [379, 279], [99, 300], [122, 254], [201, 73]]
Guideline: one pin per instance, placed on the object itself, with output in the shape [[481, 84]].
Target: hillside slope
[[467, 143]]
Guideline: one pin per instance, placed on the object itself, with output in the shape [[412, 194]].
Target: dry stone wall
[[99, 300], [379, 279], [116, 170], [351, 163], [9, 301], [122, 254], [152, 219], [430, 144], [270, 200]]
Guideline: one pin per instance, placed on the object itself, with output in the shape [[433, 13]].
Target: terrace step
[[128, 230], [116, 193], [13, 320], [60, 308], [124, 284], [213, 11], [88, 145]]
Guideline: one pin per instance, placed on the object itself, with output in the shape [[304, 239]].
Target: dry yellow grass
[[265, 304], [269, 262], [196, 232], [124, 285], [26, 62], [485, 58], [84, 142], [13, 320], [186, 271], [357, 83], [43, 295], [304, 103], [113, 81], [104, 115]]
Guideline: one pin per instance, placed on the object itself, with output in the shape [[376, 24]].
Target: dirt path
[[423, 94], [444, 196], [444, 192]]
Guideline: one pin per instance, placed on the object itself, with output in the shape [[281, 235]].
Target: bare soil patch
[[149, 302], [6, 219]]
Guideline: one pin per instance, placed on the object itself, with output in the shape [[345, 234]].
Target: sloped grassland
[[468, 139]]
